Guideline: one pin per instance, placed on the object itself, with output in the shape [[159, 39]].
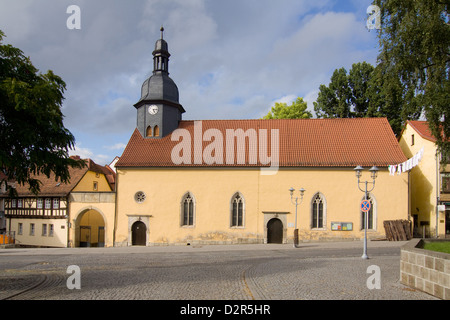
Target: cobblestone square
[[316, 271]]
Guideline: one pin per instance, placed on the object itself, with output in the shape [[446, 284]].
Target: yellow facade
[[265, 197], [40, 232], [424, 180], [92, 209], [92, 181]]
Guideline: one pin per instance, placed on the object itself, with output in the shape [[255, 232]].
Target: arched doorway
[[90, 231], [138, 234], [275, 231]]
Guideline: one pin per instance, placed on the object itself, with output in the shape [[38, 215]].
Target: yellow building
[[430, 182], [227, 181], [79, 213]]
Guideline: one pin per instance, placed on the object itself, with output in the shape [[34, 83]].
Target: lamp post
[[374, 172], [302, 191]]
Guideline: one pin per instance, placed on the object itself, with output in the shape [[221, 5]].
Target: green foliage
[[415, 55], [412, 73], [361, 92], [33, 138], [297, 110]]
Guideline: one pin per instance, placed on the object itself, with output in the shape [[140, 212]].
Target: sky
[[230, 59]]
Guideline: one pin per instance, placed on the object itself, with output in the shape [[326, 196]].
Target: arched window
[[156, 131], [318, 212], [371, 214], [149, 132], [187, 210], [237, 210]]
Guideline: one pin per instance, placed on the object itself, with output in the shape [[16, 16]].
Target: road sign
[[365, 206]]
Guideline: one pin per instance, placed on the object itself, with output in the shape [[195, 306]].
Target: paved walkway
[[319, 270]]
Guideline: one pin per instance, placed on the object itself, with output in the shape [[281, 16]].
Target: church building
[[229, 181]]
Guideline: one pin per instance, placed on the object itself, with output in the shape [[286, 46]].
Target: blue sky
[[229, 59]]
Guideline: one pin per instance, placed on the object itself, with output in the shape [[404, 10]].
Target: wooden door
[[138, 234], [274, 231]]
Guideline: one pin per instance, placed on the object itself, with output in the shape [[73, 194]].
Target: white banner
[[407, 165]]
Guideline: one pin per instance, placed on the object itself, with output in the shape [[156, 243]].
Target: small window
[[13, 203], [20, 228], [50, 232], [95, 186], [44, 230], [31, 229], [139, 197], [412, 139], [40, 203], [156, 131], [19, 203], [56, 203], [149, 132], [48, 203]]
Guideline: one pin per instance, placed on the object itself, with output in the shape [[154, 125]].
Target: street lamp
[[373, 174], [291, 191]]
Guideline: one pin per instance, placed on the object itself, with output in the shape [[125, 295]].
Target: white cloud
[[230, 59], [86, 153]]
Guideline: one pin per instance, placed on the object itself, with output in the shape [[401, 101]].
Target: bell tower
[[158, 110]]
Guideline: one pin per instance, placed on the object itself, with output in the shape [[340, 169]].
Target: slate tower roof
[[160, 86]]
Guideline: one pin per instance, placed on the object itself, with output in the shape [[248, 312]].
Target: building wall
[[265, 197], [423, 183], [38, 212], [87, 183], [82, 205], [57, 239]]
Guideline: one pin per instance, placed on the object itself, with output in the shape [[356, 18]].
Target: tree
[[297, 110], [362, 92], [415, 53], [33, 139], [334, 101]]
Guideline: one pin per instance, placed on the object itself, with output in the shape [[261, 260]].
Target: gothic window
[[156, 131], [188, 210], [318, 214], [237, 210], [371, 214]]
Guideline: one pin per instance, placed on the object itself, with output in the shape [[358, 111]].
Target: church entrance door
[[275, 231], [138, 234]]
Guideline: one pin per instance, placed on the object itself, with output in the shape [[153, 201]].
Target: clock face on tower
[[153, 109]]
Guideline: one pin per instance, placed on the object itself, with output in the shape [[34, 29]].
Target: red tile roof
[[423, 129], [50, 187], [302, 143]]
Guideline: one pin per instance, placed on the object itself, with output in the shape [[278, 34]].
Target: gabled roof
[[423, 129], [302, 143], [50, 187]]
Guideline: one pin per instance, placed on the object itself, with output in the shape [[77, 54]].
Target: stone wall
[[425, 270]]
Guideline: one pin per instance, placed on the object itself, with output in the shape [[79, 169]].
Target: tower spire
[[161, 55]]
